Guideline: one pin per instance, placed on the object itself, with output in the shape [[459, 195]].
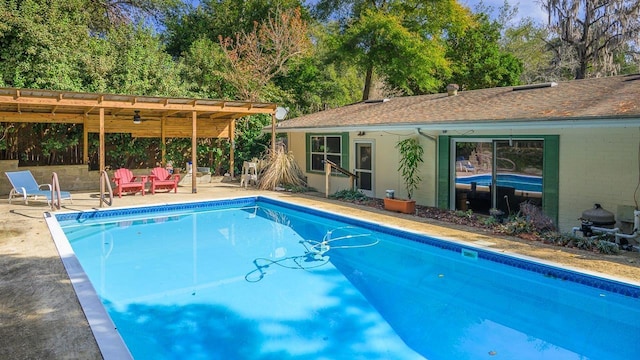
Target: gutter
[[600, 122]]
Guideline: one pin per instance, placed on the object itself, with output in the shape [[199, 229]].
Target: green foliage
[[411, 153], [405, 60], [401, 41], [607, 247], [141, 64], [250, 141], [557, 238], [349, 195], [517, 225], [199, 66], [584, 243], [477, 59], [464, 214], [527, 41], [35, 51], [124, 150], [213, 19], [490, 221], [538, 220]]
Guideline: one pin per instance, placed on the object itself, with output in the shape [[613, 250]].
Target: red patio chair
[[161, 179], [126, 182]]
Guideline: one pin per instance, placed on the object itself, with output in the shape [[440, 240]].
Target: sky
[[526, 8]]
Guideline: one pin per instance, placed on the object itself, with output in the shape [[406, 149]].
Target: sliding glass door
[[496, 174]]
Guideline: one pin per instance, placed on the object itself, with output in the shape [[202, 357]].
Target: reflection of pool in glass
[[256, 278], [523, 183]]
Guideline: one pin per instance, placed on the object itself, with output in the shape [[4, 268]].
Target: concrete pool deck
[[40, 317]]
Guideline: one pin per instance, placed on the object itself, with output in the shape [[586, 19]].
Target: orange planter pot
[[399, 205]]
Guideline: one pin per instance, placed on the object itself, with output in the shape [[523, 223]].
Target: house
[[563, 146]]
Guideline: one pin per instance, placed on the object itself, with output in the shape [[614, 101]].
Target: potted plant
[[411, 153]]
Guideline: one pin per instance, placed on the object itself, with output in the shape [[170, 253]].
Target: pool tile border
[[546, 270], [550, 271], [155, 209]]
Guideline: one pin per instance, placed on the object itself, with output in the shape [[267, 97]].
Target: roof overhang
[[525, 124]]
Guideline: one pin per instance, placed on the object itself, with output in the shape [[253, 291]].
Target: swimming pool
[[257, 278], [516, 181]]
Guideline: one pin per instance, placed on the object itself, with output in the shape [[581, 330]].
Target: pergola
[[161, 117]]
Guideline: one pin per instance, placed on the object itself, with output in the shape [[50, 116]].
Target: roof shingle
[[599, 98]]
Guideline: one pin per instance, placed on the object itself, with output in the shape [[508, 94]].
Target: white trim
[[476, 125], [104, 330], [371, 143]]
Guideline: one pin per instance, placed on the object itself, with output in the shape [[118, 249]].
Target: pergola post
[[194, 151], [163, 135], [232, 145], [101, 136], [273, 134], [85, 140]]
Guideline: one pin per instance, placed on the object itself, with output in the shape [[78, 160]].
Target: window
[[323, 147]]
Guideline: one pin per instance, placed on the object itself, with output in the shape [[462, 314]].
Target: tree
[[51, 45], [477, 59], [594, 31], [200, 70], [400, 40], [142, 65], [528, 41], [255, 58], [36, 50], [107, 14], [212, 19]]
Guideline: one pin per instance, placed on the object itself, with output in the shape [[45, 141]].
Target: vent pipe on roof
[[535, 86], [373, 101], [452, 89]]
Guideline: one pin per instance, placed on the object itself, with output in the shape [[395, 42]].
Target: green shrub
[[349, 195], [464, 214], [518, 225], [607, 247], [585, 243], [559, 239]]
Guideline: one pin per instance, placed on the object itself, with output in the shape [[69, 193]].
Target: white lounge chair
[[26, 186]]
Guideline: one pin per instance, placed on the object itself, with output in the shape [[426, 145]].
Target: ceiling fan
[[136, 117]]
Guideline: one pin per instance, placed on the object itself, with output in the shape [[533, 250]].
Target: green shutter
[[444, 148], [307, 151], [345, 150], [551, 176]]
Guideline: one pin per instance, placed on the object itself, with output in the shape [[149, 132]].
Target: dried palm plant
[[281, 170]]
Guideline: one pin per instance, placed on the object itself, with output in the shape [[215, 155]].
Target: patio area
[[40, 316]]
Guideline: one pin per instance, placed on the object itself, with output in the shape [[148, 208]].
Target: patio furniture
[[249, 173], [126, 182], [466, 166], [161, 179], [25, 186]]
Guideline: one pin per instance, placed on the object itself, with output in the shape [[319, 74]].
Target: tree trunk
[[581, 70], [366, 92]]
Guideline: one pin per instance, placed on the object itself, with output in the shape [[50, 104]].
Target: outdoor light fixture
[[136, 117]]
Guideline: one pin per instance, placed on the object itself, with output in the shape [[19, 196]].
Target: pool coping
[[112, 346], [109, 341]]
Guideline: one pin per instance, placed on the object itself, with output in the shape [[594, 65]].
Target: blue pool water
[[518, 182], [255, 278]]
